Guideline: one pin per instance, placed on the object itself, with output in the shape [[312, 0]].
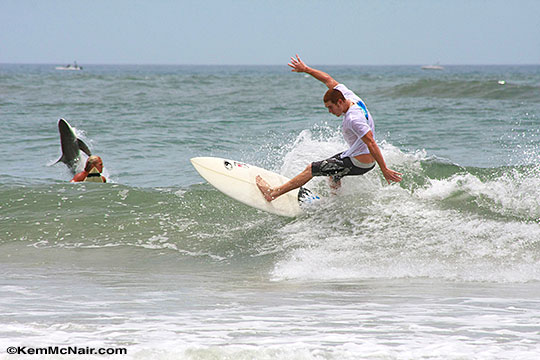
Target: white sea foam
[[513, 193], [371, 230]]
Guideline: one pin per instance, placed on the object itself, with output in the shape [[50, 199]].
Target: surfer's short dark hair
[[333, 95]]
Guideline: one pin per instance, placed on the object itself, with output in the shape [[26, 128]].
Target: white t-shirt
[[357, 122]]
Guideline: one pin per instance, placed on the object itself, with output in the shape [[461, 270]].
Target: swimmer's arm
[[299, 66], [389, 175], [79, 177]]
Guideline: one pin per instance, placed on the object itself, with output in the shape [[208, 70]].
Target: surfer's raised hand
[[297, 64], [300, 67]]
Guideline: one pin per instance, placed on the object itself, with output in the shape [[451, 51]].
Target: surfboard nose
[[199, 160]]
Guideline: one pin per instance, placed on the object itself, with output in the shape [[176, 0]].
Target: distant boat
[[73, 66], [432, 67]]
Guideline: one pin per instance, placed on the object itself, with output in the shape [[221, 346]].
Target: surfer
[[357, 127], [92, 171]]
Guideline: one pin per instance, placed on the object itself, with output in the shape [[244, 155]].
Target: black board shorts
[[337, 167]]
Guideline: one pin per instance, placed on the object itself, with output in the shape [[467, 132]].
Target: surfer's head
[[335, 102], [94, 162]]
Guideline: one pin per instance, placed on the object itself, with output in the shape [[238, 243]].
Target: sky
[[253, 32]]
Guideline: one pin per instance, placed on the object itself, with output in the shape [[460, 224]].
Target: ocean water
[[444, 265]]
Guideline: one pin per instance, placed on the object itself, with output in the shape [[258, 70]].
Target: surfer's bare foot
[[265, 188]]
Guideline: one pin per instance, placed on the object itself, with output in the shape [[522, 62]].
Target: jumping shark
[[71, 145]]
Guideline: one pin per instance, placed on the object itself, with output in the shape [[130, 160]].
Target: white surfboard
[[237, 180]]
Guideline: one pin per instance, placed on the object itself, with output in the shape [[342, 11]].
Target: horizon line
[[187, 64]]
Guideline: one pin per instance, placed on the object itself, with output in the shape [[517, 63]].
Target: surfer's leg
[[271, 193], [334, 182], [334, 167]]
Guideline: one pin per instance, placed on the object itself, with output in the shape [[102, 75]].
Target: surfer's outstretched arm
[[389, 174], [299, 66], [271, 193]]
